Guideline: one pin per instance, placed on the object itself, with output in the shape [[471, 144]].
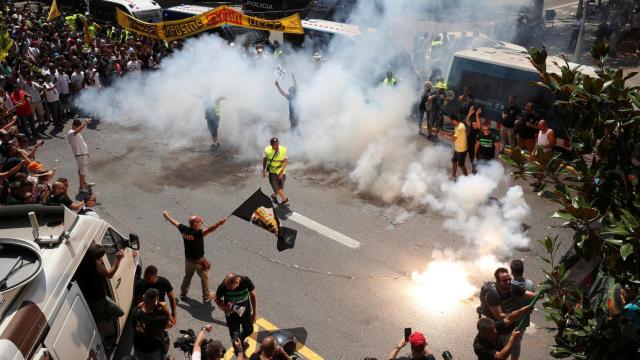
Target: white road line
[[323, 230], [562, 6]]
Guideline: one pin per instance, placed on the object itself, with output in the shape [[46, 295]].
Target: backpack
[[483, 309]]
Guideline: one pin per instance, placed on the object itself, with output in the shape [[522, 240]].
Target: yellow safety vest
[[391, 82], [274, 163]]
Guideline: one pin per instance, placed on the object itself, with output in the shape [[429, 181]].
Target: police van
[[44, 312], [105, 10], [493, 74]]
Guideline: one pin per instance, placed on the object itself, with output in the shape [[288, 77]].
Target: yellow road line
[[302, 349]]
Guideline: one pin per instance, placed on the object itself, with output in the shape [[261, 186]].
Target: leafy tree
[[596, 186]]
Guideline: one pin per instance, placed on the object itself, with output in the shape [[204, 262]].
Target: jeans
[[235, 322], [55, 110], [189, 268], [27, 126]]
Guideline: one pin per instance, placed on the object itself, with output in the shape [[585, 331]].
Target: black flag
[[258, 209]]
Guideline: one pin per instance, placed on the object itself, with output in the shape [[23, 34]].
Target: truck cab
[[44, 311]]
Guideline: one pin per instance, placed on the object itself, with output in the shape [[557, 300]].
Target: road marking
[[301, 349], [562, 6], [323, 230], [262, 323]]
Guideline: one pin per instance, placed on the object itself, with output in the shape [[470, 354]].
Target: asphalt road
[[139, 175]]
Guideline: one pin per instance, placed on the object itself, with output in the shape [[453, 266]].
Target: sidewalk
[[557, 37]]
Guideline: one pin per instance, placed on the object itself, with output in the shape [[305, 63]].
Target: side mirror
[[134, 242]]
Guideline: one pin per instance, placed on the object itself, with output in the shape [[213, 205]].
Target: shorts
[[37, 109], [83, 164], [459, 157], [515, 349], [276, 184]]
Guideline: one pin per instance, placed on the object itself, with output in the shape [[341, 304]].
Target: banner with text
[[220, 16]]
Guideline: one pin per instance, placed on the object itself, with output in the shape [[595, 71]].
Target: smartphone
[[407, 333], [236, 336]]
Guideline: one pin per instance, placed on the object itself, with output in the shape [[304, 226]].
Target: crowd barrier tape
[[220, 16]]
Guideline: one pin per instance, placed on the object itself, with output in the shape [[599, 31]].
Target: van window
[[112, 241]]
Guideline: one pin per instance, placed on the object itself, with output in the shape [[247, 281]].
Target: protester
[[435, 115], [236, 296], [20, 100], [526, 128], [90, 275], [487, 345], [193, 240], [89, 207], [150, 319], [59, 197], [269, 350], [510, 114], [212, 115], [502, 301], [292, 97], [546, 137], [81, 153], [424, 106], [275, 161], [33, 89], [419, 349], [473, 131], [487, 145], [517, 272], [214, 349], [53, 101], [459, 140], [151, 280]]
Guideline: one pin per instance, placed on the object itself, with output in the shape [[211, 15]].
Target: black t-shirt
[[508, 302], [512, 111], [89, 280], [486, 350], [524, 130], [162, 285], [423, 357], [148, 329], [487, 149], [193, 240], [239, 296], [256, 356], [61, 199]]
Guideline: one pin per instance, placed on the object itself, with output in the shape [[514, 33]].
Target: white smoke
[[348, 121]]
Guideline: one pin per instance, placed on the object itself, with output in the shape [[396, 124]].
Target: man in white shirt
[[33, 90], [76, 80], [134, 64], [62, 84], [81, 152], [53, 100]]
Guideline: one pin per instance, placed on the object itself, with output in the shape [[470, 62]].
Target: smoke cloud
[[348, 120]]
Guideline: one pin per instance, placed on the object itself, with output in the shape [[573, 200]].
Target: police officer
[[275, 162], [390, 80]]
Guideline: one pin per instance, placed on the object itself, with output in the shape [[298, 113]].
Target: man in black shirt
[[488, 345], [509, 117], [527, 128], [504, 300], [151, 280], [193, 239], [150, 319], [419, 349], [236, 296], [487, 145], [60, 197]]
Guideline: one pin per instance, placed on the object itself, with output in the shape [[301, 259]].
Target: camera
[[446, 355], [186, 340]]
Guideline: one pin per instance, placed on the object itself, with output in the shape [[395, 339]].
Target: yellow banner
[[220, 16]]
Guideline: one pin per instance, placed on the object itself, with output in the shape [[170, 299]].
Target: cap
[[417, 339], [274, 140]]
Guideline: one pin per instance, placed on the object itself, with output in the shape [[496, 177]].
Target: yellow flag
[[53, 12]]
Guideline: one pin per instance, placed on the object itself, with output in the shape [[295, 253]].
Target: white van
[[105, 10], [44, 313]]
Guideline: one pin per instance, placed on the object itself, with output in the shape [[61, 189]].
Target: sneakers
[[90, 184], [183, 296]]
